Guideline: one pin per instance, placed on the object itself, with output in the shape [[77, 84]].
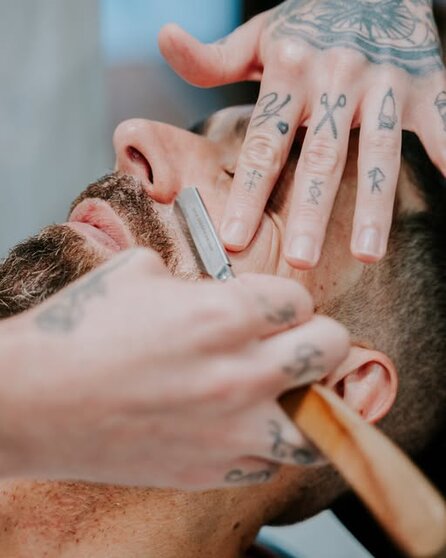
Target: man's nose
[[165, 158]]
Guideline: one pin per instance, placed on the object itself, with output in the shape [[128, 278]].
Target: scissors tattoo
[[329, 112]]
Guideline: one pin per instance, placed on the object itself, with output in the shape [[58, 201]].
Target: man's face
[[133, 207]]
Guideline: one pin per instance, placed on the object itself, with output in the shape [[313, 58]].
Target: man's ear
[[367, 381]]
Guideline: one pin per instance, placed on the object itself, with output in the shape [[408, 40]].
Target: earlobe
[[367, 381]]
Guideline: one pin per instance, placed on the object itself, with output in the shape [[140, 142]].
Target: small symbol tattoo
[[315, 191], [329, 112], [283, 315], [307, 362], [377, 177], [283, 128], [387, 115], [271, 107], [237, 476], [284, 450], [440, 103], [253, 178]]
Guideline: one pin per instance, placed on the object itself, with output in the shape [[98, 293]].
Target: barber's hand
[[152, 380], [329, 66]]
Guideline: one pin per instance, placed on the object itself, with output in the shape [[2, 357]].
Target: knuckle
[[321, 157], [224, 317], [347, 66], [260, 151], [288, 55], [385, 145], [309, 213]]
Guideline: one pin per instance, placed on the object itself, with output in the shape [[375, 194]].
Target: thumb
[[209, 65]]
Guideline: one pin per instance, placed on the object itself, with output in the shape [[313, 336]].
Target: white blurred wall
[[52, 114]]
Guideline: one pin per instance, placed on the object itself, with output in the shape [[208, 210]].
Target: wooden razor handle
[[400, 497]]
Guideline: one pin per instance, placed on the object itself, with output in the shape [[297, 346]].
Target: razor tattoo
[[315, 191], [271, 107], [68, 311], [387, 115], [237, 476], [440, 103], [307, 363], [328, 117], [252, 179], [402, 34], [283, 450], [377, 177]]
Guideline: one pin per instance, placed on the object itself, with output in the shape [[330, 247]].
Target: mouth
[[100, 226]]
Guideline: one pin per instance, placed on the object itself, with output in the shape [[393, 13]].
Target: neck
[[65, 519]]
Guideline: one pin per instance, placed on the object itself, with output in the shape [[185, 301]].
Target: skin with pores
[[77, 519]]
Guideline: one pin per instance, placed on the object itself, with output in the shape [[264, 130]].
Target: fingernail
[[303, 249], [235, 233], [369, 242]]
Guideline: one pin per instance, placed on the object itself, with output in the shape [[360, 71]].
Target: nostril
[[137, 157]]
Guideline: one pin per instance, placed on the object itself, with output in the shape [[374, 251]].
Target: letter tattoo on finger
[[307, 363], [271, 107], [377, 177]]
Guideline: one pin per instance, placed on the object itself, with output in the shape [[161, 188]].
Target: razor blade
[[202, 235]]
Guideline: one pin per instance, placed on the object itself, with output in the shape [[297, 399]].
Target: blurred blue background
[[129, 28]]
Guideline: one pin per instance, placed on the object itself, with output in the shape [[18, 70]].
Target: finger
[[248, 472], [318, 175], [264, 152], [249, 308], [268, 433], [208, 65], [294, 358], [378, 170], [268, 305], [430, 124]]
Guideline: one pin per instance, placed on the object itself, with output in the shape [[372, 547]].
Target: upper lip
[[100, 215]]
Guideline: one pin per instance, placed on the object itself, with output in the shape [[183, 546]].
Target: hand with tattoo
[[132, 376], [329, 66]]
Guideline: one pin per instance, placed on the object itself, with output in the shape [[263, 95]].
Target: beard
[[46, 263]]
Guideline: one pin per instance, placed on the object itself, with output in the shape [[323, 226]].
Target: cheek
[[215, 196]]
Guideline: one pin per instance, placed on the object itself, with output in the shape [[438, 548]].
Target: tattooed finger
[[264, 152], [318, 175], [378, 171]]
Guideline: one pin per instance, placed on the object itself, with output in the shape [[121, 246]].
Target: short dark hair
[[399, 305]]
